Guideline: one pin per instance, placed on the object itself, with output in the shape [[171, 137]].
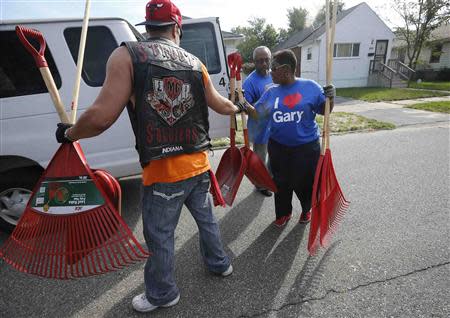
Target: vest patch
[[171, 98], [172, 149]]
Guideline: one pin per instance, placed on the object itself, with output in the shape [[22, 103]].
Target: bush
[[444, 74], [430, 75]]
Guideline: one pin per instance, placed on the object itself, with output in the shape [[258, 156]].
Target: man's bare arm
[[217, 102], [109, 104]]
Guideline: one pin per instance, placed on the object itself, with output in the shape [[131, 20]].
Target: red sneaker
[[282, 220], [305, 217]]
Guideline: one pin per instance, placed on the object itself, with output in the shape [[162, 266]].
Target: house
[[231, 41], [360, 37], [434, 56]]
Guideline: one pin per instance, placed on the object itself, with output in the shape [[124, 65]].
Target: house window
[[346, 50], [436, 52], [309, 53]]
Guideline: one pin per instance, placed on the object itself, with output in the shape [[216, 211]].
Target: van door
[[203, 38]]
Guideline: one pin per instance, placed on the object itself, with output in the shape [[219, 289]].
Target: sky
[[231, 13]]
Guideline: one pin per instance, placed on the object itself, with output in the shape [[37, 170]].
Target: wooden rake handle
[[80, 60], [232, 65], [241, 97], [330, 28], [23, 32]]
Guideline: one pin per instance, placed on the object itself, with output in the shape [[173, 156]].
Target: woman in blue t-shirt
[[290, 109]]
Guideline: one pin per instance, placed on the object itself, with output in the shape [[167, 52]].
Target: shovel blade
[[229, 173], [256, 171]]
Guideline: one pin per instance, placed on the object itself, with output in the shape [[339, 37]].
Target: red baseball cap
[[161, 13]]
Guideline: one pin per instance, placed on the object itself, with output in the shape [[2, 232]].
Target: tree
[[297, 19], [283, 35], [420, 18], [257, 34], [320, 16]]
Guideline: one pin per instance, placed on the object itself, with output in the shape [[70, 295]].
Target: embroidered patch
[[171, 98]]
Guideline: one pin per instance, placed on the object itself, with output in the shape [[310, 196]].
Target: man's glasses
[[275, 67]]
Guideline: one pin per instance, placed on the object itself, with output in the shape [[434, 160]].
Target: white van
[[28, 118]]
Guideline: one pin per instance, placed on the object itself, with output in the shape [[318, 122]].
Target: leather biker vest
[[170, 116]]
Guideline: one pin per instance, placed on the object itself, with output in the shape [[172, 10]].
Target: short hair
[[286, 57], [261, 48], [158, 29]]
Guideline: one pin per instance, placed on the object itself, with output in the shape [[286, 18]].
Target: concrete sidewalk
[[393, 111]]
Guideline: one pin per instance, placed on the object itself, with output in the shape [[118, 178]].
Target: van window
[[200, 39], [100, 43], [19, 74]]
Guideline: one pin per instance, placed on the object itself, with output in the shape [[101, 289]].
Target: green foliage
[[438, 107], [441, 86], [420, 18], [320, 16], [282, 35], [376, 94], [340, 122], [297, 19], [257, 34]]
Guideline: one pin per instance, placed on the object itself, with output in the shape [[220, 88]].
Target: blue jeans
[[162, 203]]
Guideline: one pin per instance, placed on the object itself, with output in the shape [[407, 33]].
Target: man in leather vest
[[167, 92]]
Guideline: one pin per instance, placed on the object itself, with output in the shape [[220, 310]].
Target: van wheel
[[14, 195]]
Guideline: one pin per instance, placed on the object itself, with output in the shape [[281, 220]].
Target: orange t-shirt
[[179, 167]]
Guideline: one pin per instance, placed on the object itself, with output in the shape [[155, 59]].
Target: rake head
[[328, 204], [332, 201], [70, 227]]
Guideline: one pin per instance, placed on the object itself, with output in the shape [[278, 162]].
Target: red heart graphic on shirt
[[292, 100]]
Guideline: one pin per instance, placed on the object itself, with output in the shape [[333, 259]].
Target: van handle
[[23, 32]]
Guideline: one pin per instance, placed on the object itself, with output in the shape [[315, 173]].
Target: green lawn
[[340, 122], [376, 94], [438, 107], [442, 86]]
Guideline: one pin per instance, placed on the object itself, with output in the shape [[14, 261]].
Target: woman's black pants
[[293, 170]]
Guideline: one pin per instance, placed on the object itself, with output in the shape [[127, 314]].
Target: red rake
[[70, 227], [328, 202]]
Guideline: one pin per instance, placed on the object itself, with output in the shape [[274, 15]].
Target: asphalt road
[[390, 257]]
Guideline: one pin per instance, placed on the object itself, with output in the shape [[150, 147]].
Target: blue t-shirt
[[254, 87], [290, 112]]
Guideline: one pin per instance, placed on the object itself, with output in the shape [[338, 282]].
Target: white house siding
[[444, 60], [231, 44], [310, 68], [360, 26]]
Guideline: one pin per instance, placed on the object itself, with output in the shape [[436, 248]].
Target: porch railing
[[383, 70], [403, 70]]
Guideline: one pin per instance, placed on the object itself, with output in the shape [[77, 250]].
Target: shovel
[[231, 168], [255, 169]]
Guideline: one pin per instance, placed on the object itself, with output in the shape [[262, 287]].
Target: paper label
[[67, 195]]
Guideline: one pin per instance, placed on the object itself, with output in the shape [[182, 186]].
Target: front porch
[[393, 75]]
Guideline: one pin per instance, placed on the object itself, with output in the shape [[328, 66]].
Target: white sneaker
[[228, 272], [141, 304]]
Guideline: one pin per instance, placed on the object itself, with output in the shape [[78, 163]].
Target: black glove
[[329, 91], [60, 134], [243, 106]]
